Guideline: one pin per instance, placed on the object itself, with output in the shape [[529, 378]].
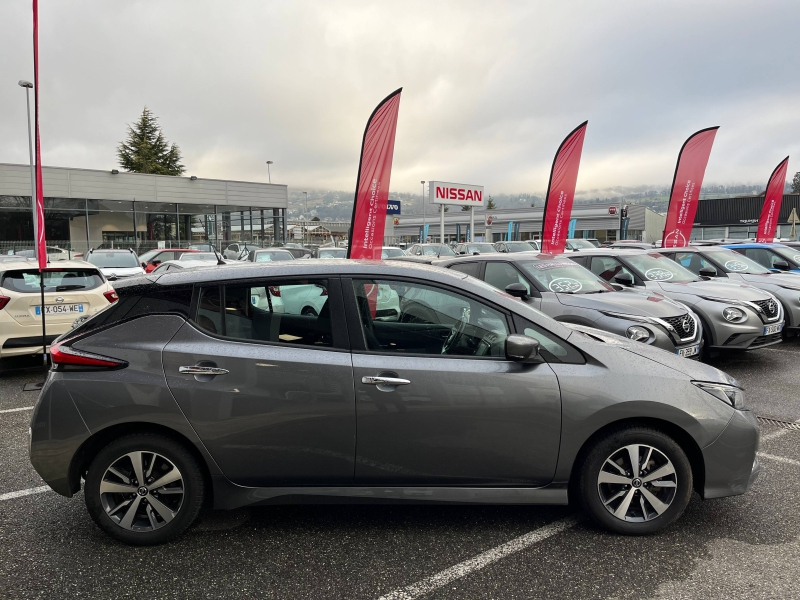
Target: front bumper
[[730, 461]]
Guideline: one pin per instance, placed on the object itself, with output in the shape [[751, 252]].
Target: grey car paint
[[784, 287], [609, 311], [707, 299], [617, 380]]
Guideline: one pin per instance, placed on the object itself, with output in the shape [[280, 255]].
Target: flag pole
[[40, 248]]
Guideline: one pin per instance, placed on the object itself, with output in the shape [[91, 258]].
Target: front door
[[278, 408], [454, 410]]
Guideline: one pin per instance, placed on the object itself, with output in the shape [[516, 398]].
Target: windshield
[[482, 248], [519, 247], [440, 250], [656, 267], [565, 277], [273, 256], [332, 253], [120, 260], [733, 262], [391, 252], [792, 254], [202, 247], [27, 282], [579, 243], [184, 256]]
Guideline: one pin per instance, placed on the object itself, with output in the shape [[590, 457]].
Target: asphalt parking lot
[[743, 547]]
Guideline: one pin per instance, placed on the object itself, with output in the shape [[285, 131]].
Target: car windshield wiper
[[64, 288], [597, 292]]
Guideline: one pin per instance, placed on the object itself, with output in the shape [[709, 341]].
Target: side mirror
[[521, 348], [624, 279], [708, 272], [517, 290], [781, 265], [144, 265]]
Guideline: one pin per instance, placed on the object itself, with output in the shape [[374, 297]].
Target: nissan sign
[[455, 193]]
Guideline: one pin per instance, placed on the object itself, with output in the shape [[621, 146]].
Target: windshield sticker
[[658, 274], [543, 266], [565, 285], [796, 258], [735, 265]]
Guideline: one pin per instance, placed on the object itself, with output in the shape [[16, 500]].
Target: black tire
[[590, 490], [192, 483], [309, 311]]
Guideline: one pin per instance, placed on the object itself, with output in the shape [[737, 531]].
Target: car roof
[[532, 256], [756, 245], [51, 266], [610, 251], [131, 250], [284, 250]]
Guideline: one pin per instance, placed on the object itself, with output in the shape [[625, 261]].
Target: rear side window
[[291, 312], [27, 282]]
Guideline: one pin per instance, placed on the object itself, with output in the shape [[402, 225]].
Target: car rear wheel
[[635, 481], [144, 489], [308, 311]]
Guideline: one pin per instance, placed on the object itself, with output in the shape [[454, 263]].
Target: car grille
[[765, 340], [677, 324], [770, 308]]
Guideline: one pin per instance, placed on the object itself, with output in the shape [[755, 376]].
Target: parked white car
[[76, 289], [308, 300], [116, 264]]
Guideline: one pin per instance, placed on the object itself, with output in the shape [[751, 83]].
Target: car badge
[[771, 306], [59, 299], [686, 324]]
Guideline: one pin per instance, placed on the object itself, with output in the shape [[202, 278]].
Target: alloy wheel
[[637, 483], [142, 491]]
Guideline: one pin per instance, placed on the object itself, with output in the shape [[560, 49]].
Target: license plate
[[770, 329], [688, 351], [59, 309]]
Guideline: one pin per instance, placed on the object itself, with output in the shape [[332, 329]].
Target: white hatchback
[[72, 289]]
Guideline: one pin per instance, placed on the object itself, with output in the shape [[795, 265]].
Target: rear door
[[458, 413], [278, 406]]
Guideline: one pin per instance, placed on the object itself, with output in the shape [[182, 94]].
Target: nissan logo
[[771, 306], [686, 324], [59, 299]]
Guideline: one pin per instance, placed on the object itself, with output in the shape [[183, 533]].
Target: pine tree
[[796, 183], [146, 150], [465, 208], [490, 205], [443, 206]]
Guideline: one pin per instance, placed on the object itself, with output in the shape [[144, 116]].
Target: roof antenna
[[220, 260]]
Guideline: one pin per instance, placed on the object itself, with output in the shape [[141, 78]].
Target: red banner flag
[[374, 172], [561, 191], [773, 197], [41, 249], [686, 184]]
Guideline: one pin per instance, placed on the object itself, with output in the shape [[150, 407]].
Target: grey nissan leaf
[[723, 264], [735, 316], [572, 294], [190, 389]]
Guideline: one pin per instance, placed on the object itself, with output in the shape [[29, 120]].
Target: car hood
[[631, 303], [693, 369], [122, 271], [714, 289], [772, 279]]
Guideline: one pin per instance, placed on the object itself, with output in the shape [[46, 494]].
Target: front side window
[[502, 274], [431, 321], [291, 312]]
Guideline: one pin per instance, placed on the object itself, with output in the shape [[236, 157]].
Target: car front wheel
[[635, 481], [144, 489]]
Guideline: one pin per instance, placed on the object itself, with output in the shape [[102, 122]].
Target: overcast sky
[[490, 88]]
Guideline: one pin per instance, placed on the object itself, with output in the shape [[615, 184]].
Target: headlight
[[638, 334], [727, 393], [734, 315]]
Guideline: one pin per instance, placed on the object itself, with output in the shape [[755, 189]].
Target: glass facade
[[75, 225]]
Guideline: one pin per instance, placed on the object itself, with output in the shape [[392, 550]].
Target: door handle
[[377, 380], [197, 370]]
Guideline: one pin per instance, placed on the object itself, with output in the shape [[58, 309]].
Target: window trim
[[357, 342], [339, 331]]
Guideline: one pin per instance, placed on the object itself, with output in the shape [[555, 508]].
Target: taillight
[[65, 356], [324, 292], [3, 301], [111, 296], [275, 291]]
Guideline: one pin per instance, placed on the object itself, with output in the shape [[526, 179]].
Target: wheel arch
[[680, 435], [99, 440]]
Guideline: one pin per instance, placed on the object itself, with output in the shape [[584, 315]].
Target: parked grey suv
[[734, 316], [185, 389], [572, 294], [724, 264]]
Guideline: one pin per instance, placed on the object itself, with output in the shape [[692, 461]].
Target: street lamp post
[[28, 86], [305, 220], [269, 177], [423, 236]]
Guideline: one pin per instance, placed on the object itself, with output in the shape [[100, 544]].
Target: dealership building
[[737, 218], [109, 209]]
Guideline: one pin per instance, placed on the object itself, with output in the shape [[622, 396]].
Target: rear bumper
[[28, 339], [731, 465]]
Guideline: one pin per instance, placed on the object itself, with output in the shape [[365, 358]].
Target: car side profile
[[186, 391], [569, 293]]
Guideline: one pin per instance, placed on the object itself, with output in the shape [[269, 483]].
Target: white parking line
[[442, 578], [28, 492], [776, 434], [7, 410], [788, 461]]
